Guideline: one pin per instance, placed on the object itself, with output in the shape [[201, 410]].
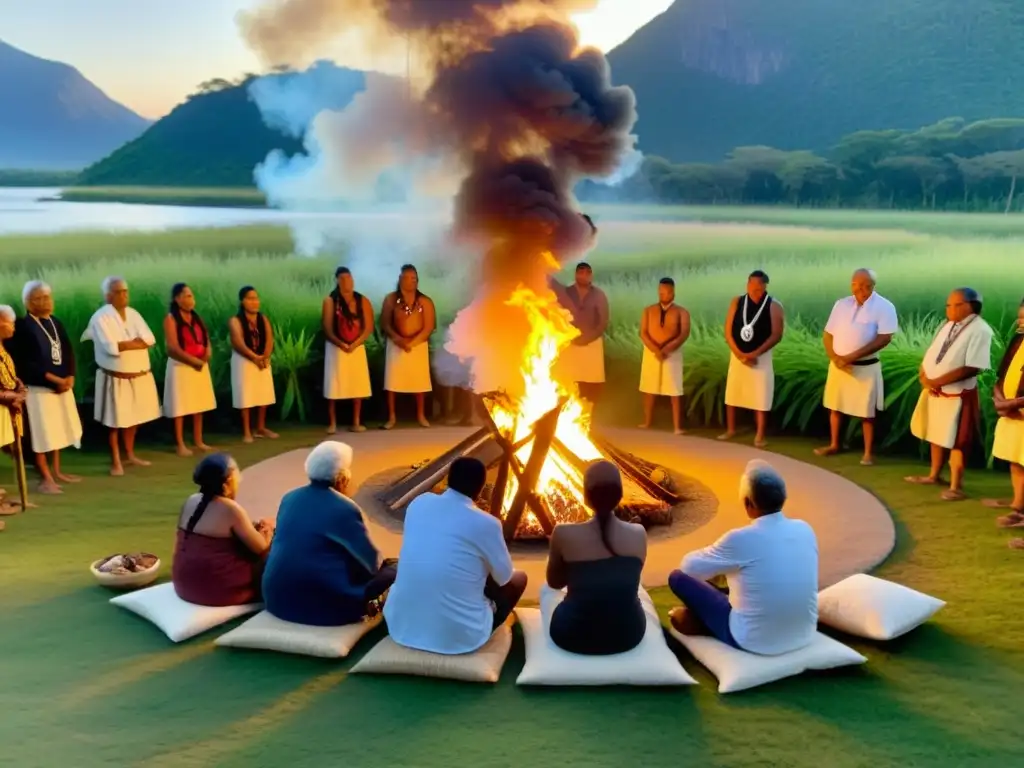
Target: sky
[[150, 54]]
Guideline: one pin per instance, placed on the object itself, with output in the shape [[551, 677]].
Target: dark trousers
[[505, 598], [708, 605]]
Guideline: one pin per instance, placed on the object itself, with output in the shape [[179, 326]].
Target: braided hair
[[602, 490], [179, 323], [247, 334], [210, 475], [341, 305]]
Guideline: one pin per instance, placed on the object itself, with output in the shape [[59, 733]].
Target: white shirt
[[772, 569], [854, 325], [107, 329], [449, 547], [971, 348]]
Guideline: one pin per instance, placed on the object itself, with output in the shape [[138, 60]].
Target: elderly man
[[583, 360], [948, 413], [323, 570], [753, 327], [456, 584], [125, 389], [45, 360], [772, 569], [859, 327]]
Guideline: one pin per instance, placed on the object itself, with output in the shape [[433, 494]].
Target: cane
[[19, 462]]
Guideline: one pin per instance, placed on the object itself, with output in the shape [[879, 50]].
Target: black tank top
[[762, 327]]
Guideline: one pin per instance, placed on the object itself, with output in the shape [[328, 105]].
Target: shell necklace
[[56, 352], [747, 330]]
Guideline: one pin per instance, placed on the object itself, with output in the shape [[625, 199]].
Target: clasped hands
[[1011, 409]]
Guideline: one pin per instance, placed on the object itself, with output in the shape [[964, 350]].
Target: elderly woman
[[323, 569], [12, 394], [598, 563], [219, 552], [772, 569], [45, 360], [188, 386], [252, 379], [1008, 445]]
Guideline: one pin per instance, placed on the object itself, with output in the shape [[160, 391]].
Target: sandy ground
[[855, 531]]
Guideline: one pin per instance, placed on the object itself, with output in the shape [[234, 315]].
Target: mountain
[[52, 118], [711, 75], [217, 136]]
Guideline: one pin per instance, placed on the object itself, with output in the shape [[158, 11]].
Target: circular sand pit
[[855, 531]]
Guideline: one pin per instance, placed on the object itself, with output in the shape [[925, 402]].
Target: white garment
[[125, 403], [107, 329], [582, 363], [772, 569], [346, 374], [751, 386], [449, 548], [857, 391], [853, 325], [662, 377], [54, 420], [251, 386], [407, 372], [972, 348], [186, 390]]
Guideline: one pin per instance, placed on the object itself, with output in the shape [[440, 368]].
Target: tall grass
[[810, 269]]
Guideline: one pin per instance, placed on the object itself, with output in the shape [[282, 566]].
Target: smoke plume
[[502, 97]]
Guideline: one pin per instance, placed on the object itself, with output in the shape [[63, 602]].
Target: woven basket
[[125, 580]]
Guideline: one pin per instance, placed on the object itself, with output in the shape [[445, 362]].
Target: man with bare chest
[[407, 319], [583, 360], [664, 328]]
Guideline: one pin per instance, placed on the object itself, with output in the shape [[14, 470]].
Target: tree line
[[951, 165]]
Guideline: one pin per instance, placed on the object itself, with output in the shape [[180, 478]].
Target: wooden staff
[[19, 463]]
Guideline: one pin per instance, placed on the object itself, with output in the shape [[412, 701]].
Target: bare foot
[[685, 623], [760, 442], [7, 509], [867, 461], [680, 431], [332, 430], [645, 425], [423, 422], [268, 434], [135, 461], [358, 428], [389, 424], [921, 480], [117, 471], [952, 495], [203, 447], [1012, 543], [67, 478], [2, 525], [828, 450], [726, 436], [182, 451], [248, 439], [49, 487], [997, 503], [1010, 520]]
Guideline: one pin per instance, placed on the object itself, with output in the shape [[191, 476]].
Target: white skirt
[[751, 386], [857, 391], [662, 377], [53, 420], [187, 391], [1009, 440], [936, 420], [346, 374], [6, 427], [407, 372], [251, 387], [583, 364], [124, 403]]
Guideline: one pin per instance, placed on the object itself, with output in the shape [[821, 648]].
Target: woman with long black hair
[[347, 320], [252, 379], [219, 553], [598, 563], [188, 386], [1008, 445]]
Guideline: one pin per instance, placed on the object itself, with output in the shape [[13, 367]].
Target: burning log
[[543, 436]]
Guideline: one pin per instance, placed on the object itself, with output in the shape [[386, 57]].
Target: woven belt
[[122, 375], [869, 361]]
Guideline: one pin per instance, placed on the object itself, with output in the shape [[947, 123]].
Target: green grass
[[85, 684]]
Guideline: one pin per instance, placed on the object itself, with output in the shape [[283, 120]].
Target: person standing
[[347, 320], [753, 327], [126, 393], [1008, 445], [45, 360], [408, 318], [859, 327], [583, 360], [664, 328], [252, 378], [948, 412], [188, 386], [13, 395]]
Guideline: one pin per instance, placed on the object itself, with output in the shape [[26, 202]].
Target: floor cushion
[[266, 632], [739, 670], [650, 663], [866, 606], [177, 619], [481, 666]]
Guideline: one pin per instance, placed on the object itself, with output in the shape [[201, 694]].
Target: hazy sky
[[149, 54]]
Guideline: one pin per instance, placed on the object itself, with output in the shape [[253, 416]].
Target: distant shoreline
[[205, 197]]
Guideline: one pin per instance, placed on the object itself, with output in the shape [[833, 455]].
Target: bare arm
[[601, 305], [368, 324], [880, 342], [729, 317], [827, 340], [268, 329], [327, 322], [238, 341], [556, 576], [778, 316], [387, 317], [959, 374], [682, 336], [645, 332], [244, 529], [429, 323], [174, 350]]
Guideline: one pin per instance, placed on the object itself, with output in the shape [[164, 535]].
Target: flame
[[551, 331]]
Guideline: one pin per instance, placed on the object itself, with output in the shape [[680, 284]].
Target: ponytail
[[210, 475], [602, 490]]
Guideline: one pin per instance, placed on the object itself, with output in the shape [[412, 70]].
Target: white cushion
[[877, 609], [650, 663], [739, 670], [266, 632], [173, 616], [481, 666]]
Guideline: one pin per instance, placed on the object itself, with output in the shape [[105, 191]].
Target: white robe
[[751, 386], [407, 372], [346, 374], [662, 377]]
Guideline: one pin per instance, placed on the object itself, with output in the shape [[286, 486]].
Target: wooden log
[[500, 483], [427, 477], [637, 475], [544, 434]]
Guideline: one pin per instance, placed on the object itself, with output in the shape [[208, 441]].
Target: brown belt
[[121, 375]]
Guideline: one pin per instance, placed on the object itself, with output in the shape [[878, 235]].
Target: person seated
[[323, 570], [771, 567], [456, 584], [219, 554], [598, 563]]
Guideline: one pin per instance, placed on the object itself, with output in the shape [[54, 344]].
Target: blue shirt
[[320, 560]]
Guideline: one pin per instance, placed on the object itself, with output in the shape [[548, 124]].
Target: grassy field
[[221, 197], [87, 685]]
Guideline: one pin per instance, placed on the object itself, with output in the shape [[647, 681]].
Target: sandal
[[920, 480], [1016, 543], [950, 495], [1012, 520]]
